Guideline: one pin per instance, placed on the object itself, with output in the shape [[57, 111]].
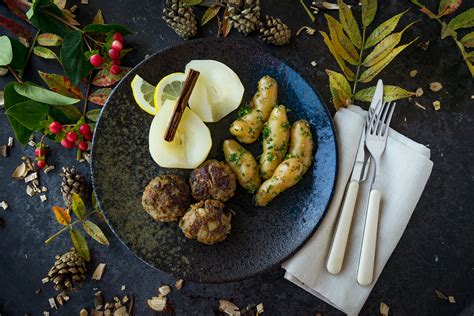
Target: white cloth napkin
[[405, 169]]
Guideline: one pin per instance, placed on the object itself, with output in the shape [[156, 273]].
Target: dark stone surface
[[436, 251]]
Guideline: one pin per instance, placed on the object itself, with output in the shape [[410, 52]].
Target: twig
[[308, 11], [86, 101], [360, 61], [50, 239], [14, 74], [32, 46]]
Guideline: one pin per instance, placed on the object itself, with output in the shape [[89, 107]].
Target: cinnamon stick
[[181, 104]]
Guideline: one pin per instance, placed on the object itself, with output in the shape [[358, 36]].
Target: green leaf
[[346, 70], [44, 15], [49, 39], [93, 115], [448, 6], [189, 3], [11, 98], [468, 40], [95, 232], [384, 47], [447, 31], [6, 52], [340, 89], [369, 8], [371, 72], [44, 52], [61, 85], [20, 52], [107, 28], [40, 94], [28, 113], [80, 244], [383, 30], [78, 206], [210, 13], [342, 44], [72, 57], [70, 111], [463, 20], [349, 24], [390, 93]]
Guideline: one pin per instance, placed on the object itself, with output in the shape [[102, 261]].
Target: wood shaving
[[413, 73], [157, 304], [31, 177], [28, 163], [44, 189], [164, 290], [84, 1], [60, 300], [420, 105], [309, 30], [121, 311], [2, 98], [122, 288], [45, 313], [314, 63], [4, 205], [45, 280], [451, 299], [259, 309], [419, 92], [52, 303], [436, 86], [43, 198], [4, 151], [228, 308], [179, 284], [440, 295], [32, 143], [21, 171], [30, 191], [97, 275], [83, 312], [384, 309], [73, 8], [48, 169], [437, 105], [10, 142], [37, 291]]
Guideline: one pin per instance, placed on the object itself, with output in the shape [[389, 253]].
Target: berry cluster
[[70, 138], [40, 154], [116, 47]]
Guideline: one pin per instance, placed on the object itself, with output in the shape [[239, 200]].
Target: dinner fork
[[376, 141]]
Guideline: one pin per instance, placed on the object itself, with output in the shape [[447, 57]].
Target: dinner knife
[[341, 235]]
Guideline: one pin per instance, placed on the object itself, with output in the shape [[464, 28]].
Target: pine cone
[[68, 270], [180, 18], [73, 181], [244, 15], [274, 31]]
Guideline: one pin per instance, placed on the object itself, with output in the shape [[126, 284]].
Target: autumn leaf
[[93, 115], [390, 93], [225, 27], [100, 96], [98, 18], [62, 215], [383, 30], [371, 72], [210, 13], [95, 232], [448, 6], [346, 70], [369, 8], [49, 39], [349, 24], [14, 27], [44, 52], [77, 205], [80, 244], [17, 7], [468, 40], [60, 3], [341, 42], [105, 79], [340, 89], [61, 85], [463, 20]]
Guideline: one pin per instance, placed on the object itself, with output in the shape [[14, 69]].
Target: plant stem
[[308, 11], [14, 74], [32, 46], [50, 239], [86, 101], [359, 63]]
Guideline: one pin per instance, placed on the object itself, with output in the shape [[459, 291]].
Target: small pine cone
[[73, 181], [180, 18], [274, 31], [244, 15], [68, 271]]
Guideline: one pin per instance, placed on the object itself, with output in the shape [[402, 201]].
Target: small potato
[[285, 176], [248, 126], [276, 135], [301, 143], [243, 164]]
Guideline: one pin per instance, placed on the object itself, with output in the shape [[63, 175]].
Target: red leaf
[[105, 79], [14, 27], [100, 96], [17, 7], [61, 85], [448, 6]]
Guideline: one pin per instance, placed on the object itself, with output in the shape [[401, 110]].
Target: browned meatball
[[206, 222], [166, 198], [212, 180]]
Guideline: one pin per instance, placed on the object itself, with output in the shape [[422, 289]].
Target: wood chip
[[122, 288], [4, 150], [84, 1], [52, 303], [164, 290], [259, 309], [10, 142], [157, 304], [48, 169], [413, 73], [420, 105], [228, 308], [45, 313], [179, 284], [451, 299], [45, 280], [419, 92], [121, 311], [21, 171], [43, 198], [3, 71], [44, 189], [437, 105], [31, 177], [99, 300], [97, 313], [436, 86], [314, 63], [32, 143], [4, 205], [73, 8], [97, 275], [37, 291], [125, 299], [30, 191], [66, 298], [60, 300], [83, 312], [441, 295], [384, 309]]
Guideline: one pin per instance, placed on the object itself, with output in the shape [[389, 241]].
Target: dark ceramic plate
[[260, 237]]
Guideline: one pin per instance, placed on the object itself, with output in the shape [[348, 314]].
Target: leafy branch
[[349, 45], [450, 29]]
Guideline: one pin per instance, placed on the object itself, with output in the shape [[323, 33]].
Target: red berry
[[83, 146], [117, 45], [114, 54], [116, 62], [66, 144], [115, 69], [118, 37], [88, 136], [71, 137], [96, 60], [40, 152], [55, 128], [41, 164], [84, 129]]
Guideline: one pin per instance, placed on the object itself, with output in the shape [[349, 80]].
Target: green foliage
[[47, 17], [72, 56], [107, 28]]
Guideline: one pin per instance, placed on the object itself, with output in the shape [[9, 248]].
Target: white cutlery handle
[[365, 275], [339, 243]]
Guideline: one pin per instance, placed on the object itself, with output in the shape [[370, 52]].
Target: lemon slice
[[168, 88], [143, 94]]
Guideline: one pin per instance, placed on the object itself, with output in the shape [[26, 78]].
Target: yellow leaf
[[383, 30], [340, 89], [210, 13], [49, 39], [98, 18], [77, 205], [369, 8], [95, 232], [390, 93], [80, 244], [371, 72], [349, 24], [468, 40], [346, 70], [62, 215], [463, 20], [44, 52], [341, 42], [384, 47]]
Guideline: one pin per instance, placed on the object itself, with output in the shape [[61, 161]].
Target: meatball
[[212, 180], [206, 222], [166, 198]]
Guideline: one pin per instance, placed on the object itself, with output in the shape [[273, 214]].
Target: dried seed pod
[[435, 86]]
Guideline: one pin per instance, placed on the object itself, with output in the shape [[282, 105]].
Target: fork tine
[[389, 118], [382, 117]]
